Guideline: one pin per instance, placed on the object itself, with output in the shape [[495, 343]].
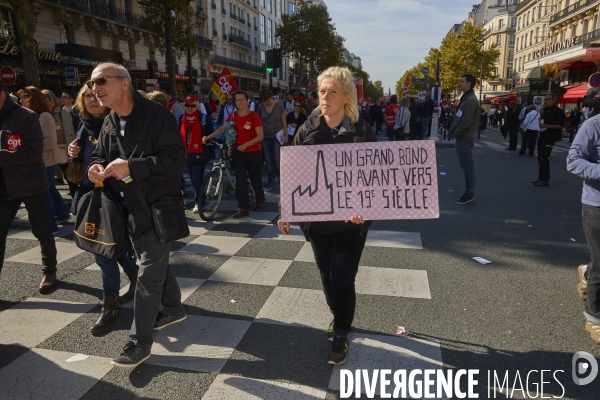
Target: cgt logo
[[14, 142], [89, 228], [584, 364]]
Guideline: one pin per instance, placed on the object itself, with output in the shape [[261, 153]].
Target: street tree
[[167, 18], [378, 89], [310, 39], [23, 11]]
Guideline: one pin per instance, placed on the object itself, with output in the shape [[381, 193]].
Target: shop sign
[[556, 47], [7, 46]]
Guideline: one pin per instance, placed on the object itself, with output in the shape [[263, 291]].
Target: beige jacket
[[50, 155]]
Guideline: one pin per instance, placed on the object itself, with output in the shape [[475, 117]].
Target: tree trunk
[[26, 28], [170, 57]]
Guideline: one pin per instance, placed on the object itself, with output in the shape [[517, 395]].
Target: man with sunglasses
[[23, 180], [155, 157], [551, 124]]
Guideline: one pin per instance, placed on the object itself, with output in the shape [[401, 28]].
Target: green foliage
[[310, 39]]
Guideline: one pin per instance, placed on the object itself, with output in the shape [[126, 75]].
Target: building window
[[531, 37], [114, 41], [223, 29], [511, 39], [278, 9], [269, 5], [270, 33], [263, 57], [151, 53], [498, 40], [291, 10], [262, 29], [513, 22], [262, 3], [66, 33], [95, 39], [131, 49], [6, 29]]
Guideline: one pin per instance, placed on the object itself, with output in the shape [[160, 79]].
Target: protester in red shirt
[[390, 115], [247, 157]]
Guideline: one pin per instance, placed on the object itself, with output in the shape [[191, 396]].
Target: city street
[[257, 315]]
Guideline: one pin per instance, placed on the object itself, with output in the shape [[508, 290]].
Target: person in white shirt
[[289, 103], [531, 129], [66, 100]]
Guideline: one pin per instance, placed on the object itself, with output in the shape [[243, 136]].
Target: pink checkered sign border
[[383, 180]]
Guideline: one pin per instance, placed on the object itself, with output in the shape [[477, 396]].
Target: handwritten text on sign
[[396, 180]]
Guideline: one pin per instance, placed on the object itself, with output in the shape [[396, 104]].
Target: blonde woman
[[65, 133], [337, 245]]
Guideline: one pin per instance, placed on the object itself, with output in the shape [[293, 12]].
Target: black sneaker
[[330, 332], [132, 356], [162, 320], [465, 200], [339, 350]]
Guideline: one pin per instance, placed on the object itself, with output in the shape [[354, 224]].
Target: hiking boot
[[130, 294], [132, 356], [163, 320], [465, 200], [339, 350], [582, 284], [330, 332], [594, 331], [244, 212], [109, 315]]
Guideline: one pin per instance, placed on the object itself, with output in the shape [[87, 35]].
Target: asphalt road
[[520, 313]]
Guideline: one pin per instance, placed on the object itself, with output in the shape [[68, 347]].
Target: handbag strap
[[136, 187]]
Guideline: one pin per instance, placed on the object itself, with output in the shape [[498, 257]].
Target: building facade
[[84, 33]]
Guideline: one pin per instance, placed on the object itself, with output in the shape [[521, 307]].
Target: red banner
[[224, 85], [359, 89]]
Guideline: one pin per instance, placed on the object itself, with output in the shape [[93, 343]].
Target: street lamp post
[[189, 49]]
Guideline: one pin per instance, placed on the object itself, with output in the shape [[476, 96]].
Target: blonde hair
[[345, 78], [79, 104], [158, 97], [53, 100]]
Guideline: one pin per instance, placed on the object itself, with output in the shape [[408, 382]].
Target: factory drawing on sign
[[317, 199]]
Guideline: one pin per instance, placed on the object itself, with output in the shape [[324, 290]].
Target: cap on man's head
[[191, 99], [393, 98]]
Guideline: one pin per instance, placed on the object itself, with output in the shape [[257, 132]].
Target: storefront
[[535, 85]]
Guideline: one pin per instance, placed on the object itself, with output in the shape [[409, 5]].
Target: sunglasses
[[101, 81], [189, 105]]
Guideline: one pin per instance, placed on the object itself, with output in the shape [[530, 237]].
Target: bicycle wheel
[[212, 193]]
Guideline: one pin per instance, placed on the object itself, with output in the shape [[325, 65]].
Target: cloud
[[391, 36]]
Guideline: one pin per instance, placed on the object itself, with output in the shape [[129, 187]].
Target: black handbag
[[193, 158], [167, 213], [100, 226]]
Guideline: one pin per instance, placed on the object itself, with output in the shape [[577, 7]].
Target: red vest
[[390, 113]]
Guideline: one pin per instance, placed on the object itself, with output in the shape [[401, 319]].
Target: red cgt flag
[[224, 85]]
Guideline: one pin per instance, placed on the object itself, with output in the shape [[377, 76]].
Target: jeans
[[425, 127], [111, 276], [55, 205], [156, 284], [271, 148], [196, 172], [38, 218], [337, 256], [464, 152], [591, 228], [247, 164], [390, 133], [544, 148]]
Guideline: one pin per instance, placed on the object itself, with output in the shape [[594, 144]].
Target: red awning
[[503, 99], [573, 94], [580, 65]]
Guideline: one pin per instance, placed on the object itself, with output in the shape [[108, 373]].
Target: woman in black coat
[[296, 118]]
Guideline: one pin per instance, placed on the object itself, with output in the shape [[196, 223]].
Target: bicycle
[[218, 181]]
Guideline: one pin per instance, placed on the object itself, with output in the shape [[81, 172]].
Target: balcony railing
[[242, 20], [497, 29], [233, 17], [523, 4], [204, 42], [199, 9], [230, 62], [240, 40], [571, 10], [224, 36], [99, 8], [590, 36], [223, 11], [214, 33]]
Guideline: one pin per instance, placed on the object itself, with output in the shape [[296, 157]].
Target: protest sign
[[224, 85], [383, 180]]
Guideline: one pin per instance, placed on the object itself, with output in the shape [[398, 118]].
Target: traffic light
[[273, 58], [270, 70], [269, 58]]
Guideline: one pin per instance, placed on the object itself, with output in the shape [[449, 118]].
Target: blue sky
[[391, 36]]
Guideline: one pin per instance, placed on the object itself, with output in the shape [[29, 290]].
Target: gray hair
[[531, 107], [120, 70], [404, 102]]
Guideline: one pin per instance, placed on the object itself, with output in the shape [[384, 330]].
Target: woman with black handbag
[[92, 117], [191, 129]]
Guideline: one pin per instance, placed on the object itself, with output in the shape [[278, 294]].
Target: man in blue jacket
[[584, 161]]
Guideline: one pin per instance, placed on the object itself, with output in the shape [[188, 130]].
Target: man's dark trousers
[[40, 227], [544, 148], [156, 284], [591, 228]]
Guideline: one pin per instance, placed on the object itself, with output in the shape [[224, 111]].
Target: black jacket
[[23, 171], [155, 155], [376, 113], [315, 131], [553, 116]]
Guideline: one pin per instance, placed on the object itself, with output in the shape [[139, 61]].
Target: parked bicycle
[[218, 181]]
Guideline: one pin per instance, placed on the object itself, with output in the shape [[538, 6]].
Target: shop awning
[[504, 99], [573, 93]]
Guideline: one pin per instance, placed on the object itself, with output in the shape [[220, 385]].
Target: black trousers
[[38, 218], [544, 148], [248, 165], [513, 137], [591, 228], [337, 256], [528, 141]]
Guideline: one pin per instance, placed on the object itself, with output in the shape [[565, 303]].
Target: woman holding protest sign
[[247, 157], [337, 245]]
